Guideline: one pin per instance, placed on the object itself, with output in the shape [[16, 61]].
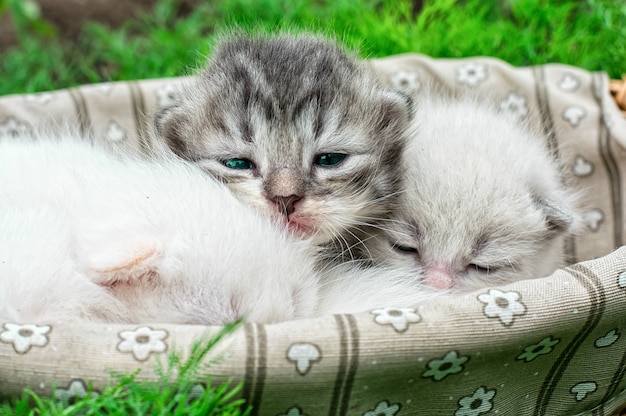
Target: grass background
[[587, 33]]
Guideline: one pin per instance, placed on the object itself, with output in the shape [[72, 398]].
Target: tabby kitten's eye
[[235, 163], [330, 159], [405, 249]]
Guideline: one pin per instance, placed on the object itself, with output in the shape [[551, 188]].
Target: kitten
[[484, 204], [90, 236], [298, 128]]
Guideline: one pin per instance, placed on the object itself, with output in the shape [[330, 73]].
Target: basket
[[554, 345]]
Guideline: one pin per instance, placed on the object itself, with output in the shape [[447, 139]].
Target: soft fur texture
[[484, 202], [87, 235], [349, 289], [315, 137]]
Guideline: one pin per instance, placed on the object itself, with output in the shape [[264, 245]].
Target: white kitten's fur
[[348, 289], [86, 235], [484, 204], [91, 236]]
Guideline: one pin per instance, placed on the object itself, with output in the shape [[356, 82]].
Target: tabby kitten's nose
[[286, 204]]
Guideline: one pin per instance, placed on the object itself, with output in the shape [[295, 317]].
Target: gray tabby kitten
[[297, 128], [485, 202]]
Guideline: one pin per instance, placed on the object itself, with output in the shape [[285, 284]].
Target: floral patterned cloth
[[550, 346]]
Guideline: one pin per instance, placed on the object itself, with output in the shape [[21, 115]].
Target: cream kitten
[[91, 236], [297, 128], [484, 204]]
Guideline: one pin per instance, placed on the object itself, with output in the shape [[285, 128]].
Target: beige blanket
[[550, 346]]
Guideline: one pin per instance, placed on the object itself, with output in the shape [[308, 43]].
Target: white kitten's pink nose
[[439, 277]]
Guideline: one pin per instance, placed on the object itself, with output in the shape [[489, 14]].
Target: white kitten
[[484, 203], [86, 235], [91, 236]]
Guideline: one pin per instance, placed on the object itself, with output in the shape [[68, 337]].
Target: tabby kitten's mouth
[[299, 229]]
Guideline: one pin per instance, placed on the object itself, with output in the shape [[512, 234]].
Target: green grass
[[178, 391], [585, 33]]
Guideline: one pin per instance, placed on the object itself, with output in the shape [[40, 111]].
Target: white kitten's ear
[[557, 218], [121, 262]]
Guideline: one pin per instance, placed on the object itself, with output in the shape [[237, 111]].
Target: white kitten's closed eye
[[482, 269], [404, 249]]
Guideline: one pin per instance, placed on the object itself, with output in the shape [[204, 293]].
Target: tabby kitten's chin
[[298, 128]]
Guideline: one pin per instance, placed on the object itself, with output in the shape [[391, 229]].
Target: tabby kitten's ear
[[393, 113], [171, 124]]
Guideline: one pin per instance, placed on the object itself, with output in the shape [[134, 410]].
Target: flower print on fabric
[[76, 390], [14, 129], [104, 88], [502, 305], [607, 339], [593, 219], [581, 390], [406, 81], [293, 411], [23, 337], [471, 74], [41, 98], [398, 318], [167, 95], [114, 132], [195, 392], [573, 114], [569, 82], [515, 105], [304, 354], [582, 167], [476, 404], [451, 363], [383, 408], [142, 342], [545, 346]]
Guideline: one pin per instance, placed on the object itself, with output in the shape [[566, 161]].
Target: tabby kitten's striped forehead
[[297, 127]]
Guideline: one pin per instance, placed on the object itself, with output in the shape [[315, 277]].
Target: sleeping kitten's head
[[484, 201], [297, 128]]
